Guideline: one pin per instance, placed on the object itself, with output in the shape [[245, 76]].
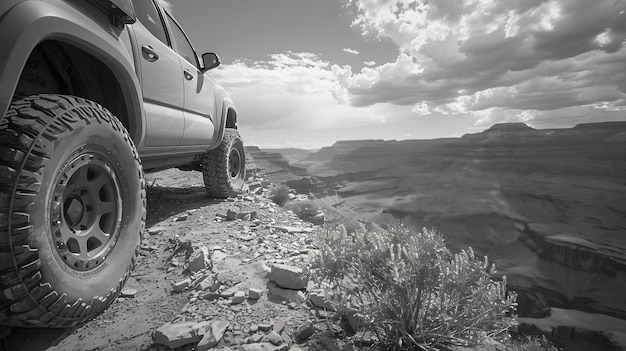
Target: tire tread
[[27, 133], [215, 167]]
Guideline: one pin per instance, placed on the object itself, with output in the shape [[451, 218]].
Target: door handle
[[151, 55], [188, 75]]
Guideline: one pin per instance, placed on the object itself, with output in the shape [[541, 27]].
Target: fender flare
[[227, 105], [32, 21]]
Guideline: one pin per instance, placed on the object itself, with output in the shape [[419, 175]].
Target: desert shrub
[[306, 210], [410, 290], [280, 195]]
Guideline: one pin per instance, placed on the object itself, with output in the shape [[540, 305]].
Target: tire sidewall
[[104, 280]]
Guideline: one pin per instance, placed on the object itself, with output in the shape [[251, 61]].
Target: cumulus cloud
[[295, 90], [351, 51], [527, 60]]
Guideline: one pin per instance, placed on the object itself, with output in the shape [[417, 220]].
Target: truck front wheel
[[224, 168], [72, 210]]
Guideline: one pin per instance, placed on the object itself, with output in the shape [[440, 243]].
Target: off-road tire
[[72, 210], [224, 168]]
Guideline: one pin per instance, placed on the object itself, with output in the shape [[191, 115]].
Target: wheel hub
[[234, 163], [86, 211], [73, 210]]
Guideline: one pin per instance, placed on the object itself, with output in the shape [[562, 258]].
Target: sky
[[306, 73]]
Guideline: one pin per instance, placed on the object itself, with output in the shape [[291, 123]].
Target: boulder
[[289, 277]]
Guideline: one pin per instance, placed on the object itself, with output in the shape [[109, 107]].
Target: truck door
[[161, 81], [199, 99]]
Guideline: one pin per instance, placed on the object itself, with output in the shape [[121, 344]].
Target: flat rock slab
[[175, 335], [289, 295], [288, 277]]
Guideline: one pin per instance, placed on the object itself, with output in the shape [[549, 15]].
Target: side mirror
[[210, 60]]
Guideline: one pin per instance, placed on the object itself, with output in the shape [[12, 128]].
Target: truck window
[[148, 15], [183, 47]]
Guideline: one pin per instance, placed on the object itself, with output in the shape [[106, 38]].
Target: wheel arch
[[107, 46], [228, 119], [231, 118]]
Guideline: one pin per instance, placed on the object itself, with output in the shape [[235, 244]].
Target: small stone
[[213, 335], [255, 294], [274, 338], [231, 215], [175, 335], [230, 291], [128, 292], [318, 298], [199, 260], [238, 297], [305, 330], [265, 327], [286, 338], [255, 338], [279, 326], [285, 295], [181, 285], [195, 284], [211, 296], [181, 218]]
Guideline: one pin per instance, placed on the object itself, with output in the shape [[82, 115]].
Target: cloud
[[295, 90], [351, 51], [527, 60]]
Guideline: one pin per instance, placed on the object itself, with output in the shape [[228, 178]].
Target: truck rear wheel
[[72, 210], [224, 168]]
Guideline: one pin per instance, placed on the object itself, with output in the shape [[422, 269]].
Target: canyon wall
[[548, 206]]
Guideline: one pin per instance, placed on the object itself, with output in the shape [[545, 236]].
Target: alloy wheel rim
[[86, 212], [234, 164]]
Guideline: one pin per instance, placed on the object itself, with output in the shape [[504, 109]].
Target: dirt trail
[[178, 211]]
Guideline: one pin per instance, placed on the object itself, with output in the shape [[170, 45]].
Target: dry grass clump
[[410, 290], [306, 210], [280, 195]]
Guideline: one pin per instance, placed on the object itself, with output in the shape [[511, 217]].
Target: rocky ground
[[204, 268]]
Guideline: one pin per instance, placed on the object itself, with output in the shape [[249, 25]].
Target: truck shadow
[[165, 202], [33, 339]]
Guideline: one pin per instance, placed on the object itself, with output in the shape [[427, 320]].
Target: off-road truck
[[93, 93]]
